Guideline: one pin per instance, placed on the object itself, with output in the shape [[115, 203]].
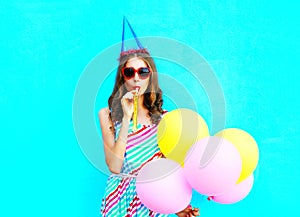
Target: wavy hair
[[152, 97]]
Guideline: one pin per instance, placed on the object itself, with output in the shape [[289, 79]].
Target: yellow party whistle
[[135, 109]]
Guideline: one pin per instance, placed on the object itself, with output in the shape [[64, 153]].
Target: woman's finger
[[128, 95], [195, 212]]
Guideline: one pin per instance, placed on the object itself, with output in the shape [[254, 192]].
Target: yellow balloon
[[178, 130], [247, 147]]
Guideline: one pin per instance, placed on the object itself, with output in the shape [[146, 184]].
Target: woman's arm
[[114, 150]]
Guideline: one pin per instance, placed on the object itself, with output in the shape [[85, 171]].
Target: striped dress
[[120, 197]]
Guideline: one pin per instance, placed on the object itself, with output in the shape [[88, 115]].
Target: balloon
[[236, 192], [161, 186], [247, 148], [178, 131], [212, 166]]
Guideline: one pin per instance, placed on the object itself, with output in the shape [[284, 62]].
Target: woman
[[127, 150]]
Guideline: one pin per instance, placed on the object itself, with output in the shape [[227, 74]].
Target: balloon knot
[[210, 198]]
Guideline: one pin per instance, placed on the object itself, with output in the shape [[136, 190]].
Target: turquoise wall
[[251, 46]]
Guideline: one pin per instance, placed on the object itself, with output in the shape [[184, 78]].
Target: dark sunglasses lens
[[144, 72], [128, 72]]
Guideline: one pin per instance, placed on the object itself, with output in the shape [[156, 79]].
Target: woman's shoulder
[[104, 113], [104, 110], [164, 111]]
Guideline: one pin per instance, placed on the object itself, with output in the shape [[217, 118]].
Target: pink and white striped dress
[[120, 197]]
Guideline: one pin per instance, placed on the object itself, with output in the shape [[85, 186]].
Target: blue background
[[253, 47]]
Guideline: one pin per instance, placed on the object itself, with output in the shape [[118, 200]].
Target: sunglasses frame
[[135, 71]]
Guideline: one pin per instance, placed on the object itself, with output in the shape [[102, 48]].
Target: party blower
[[135, 108]]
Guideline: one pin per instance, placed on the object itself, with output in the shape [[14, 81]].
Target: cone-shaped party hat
[[139, 49]]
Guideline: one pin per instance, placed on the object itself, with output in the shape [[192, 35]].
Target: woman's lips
[[136, 87]]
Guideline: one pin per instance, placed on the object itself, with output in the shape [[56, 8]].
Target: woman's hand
[[189, 212], [127, 104]]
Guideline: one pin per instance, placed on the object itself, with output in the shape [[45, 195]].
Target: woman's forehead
[[136, 62]]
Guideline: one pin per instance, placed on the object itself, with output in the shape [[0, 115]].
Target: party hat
[[140, 48]]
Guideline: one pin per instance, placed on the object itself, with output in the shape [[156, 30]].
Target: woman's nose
[[136, 77]]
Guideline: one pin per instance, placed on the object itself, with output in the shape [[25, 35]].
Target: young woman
[[127, 149]]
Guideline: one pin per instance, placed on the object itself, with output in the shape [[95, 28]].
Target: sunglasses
[[129, 72]]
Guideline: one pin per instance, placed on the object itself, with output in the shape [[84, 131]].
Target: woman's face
[[136, 82]]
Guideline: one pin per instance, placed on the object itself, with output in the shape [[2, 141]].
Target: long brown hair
[[152, 97]]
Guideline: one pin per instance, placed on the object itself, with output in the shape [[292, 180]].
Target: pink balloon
[[161, 186], [212, 165], [236, 192]]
